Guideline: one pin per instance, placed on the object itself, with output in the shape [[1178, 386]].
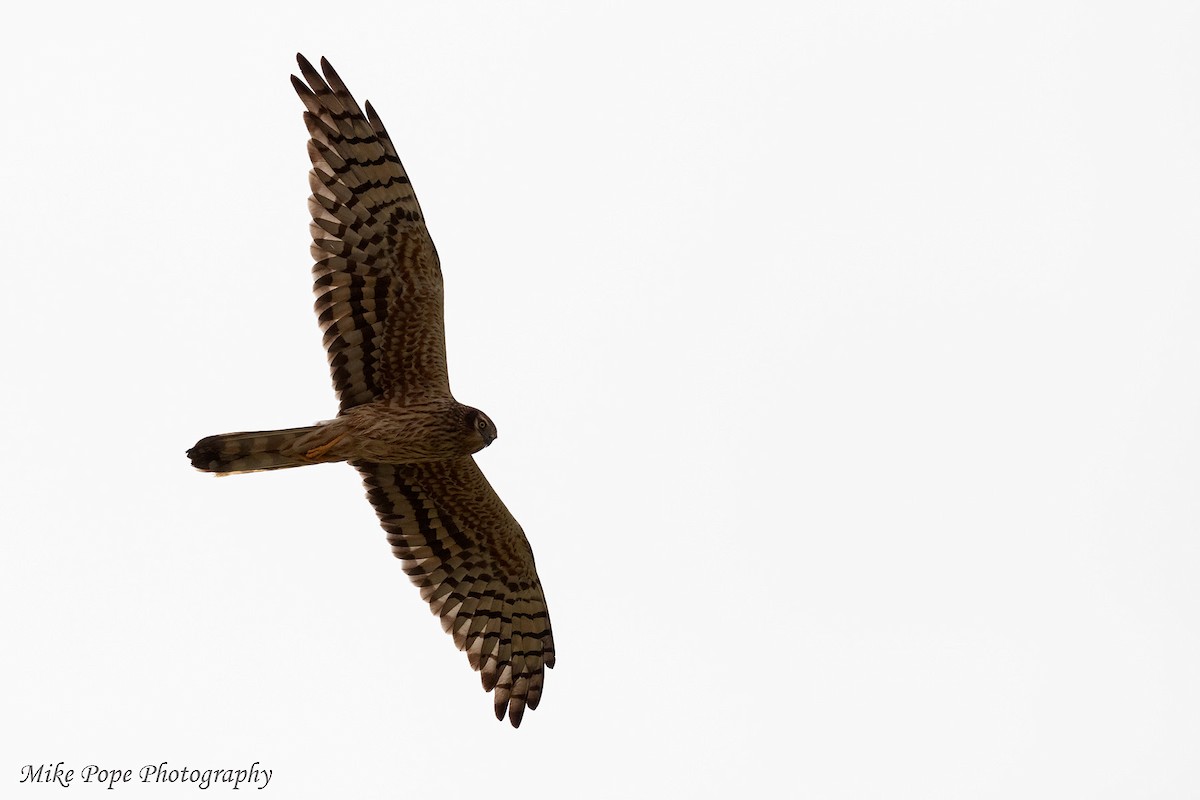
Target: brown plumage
[[378, 284]]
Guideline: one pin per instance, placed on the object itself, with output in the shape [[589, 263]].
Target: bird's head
[[481, 430]]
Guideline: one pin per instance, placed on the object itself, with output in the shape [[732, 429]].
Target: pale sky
[[845, 357]]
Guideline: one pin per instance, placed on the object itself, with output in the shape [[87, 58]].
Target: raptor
[[378, 283]]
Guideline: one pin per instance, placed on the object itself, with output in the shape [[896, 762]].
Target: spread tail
[[249, 452]]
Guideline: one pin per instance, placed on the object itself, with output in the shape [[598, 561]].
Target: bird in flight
[[378, 283]]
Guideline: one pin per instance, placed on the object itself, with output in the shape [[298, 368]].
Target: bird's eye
[[482, 424]]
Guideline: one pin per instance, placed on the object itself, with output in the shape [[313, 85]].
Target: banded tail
[[226, 453]]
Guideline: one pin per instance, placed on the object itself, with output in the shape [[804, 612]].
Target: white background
[[844, 357]]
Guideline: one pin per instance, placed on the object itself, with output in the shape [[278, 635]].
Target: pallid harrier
[[378, 283]]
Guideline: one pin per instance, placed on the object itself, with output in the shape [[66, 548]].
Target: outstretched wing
[[377, 277], [473, 564]]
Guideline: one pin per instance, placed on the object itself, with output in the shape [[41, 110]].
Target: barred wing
[[377, 277], [473, 564]]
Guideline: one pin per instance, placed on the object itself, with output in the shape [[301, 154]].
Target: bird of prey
[[378, 283]]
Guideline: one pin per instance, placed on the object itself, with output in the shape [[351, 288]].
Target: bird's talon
[[317, 452]]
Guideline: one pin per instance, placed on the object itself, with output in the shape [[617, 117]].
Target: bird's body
[[378, 283], [385, 432]]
